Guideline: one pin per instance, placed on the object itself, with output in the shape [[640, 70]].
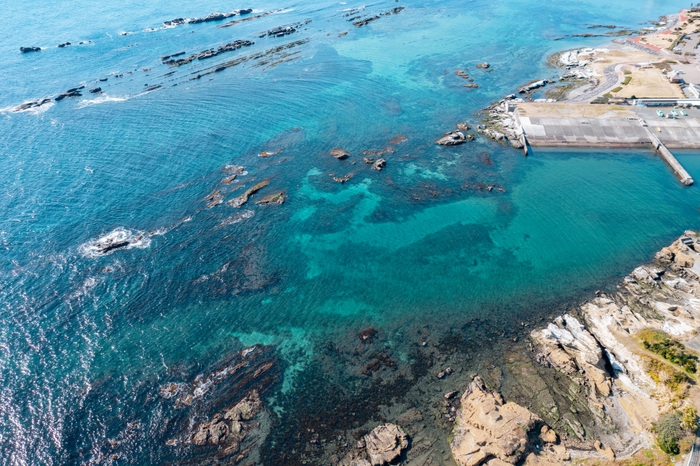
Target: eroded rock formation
[[491, 431]]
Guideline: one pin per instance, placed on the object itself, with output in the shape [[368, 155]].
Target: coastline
[[369, 318], [627, 80], [576, 385], [579, 388]]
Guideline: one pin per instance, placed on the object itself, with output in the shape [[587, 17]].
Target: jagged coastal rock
[[276, 198], [628, 382], [612, 354], [452, 138], [203, 55], [491, 431], [29, 105], [243, 198], [501, 124], [340, 154], [75, 92], [383, 445], [379, 164]]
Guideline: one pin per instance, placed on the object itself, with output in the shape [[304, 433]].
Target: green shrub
[[617, 89], [668, 433], [627, 80], [627, 72], [689, 418]]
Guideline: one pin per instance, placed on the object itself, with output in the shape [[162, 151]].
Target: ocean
[[442, 241]]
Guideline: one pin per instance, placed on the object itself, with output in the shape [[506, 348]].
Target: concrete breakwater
[[583, 125]]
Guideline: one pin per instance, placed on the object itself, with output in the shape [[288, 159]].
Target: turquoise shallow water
[[419, 242]]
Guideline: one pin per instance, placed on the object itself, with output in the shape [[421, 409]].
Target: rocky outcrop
[[533, 86], [276, 198], [340, 154], [214, 198], [379, 164], [567, 345], [452, 138], [282, 31], [231, 393], [368, 19], [270, 153], [30, 105], [75, 92], [29, 49], [208, 18], [489, 431], [203, 55], [383, 445], [624, 382], [243, 198], [228, 429], [501, 124]]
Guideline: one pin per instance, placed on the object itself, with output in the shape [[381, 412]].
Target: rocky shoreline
[[591, 389], [595, 385]]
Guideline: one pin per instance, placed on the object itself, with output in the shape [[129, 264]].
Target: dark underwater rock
[[65, 44], [29, 49], [96, 90], [367, 334], [365, 21]]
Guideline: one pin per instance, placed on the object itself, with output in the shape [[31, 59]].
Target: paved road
[[694, 455], [611, 80]]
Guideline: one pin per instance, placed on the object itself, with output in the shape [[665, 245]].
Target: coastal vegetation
[[676, 381], [676, 430], [660, 343]]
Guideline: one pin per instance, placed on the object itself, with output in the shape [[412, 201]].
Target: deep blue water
[[419, 242]]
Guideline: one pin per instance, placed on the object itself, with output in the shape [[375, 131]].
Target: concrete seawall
[[621, 129]]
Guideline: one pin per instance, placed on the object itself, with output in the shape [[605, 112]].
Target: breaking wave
[[119, 238]]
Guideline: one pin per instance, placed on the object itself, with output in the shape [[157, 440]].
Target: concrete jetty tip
[[666, 154]]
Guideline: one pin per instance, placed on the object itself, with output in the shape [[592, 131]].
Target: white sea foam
[[100, 100], [85, 289], [101, 246], [232, 220], [31, 110]]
